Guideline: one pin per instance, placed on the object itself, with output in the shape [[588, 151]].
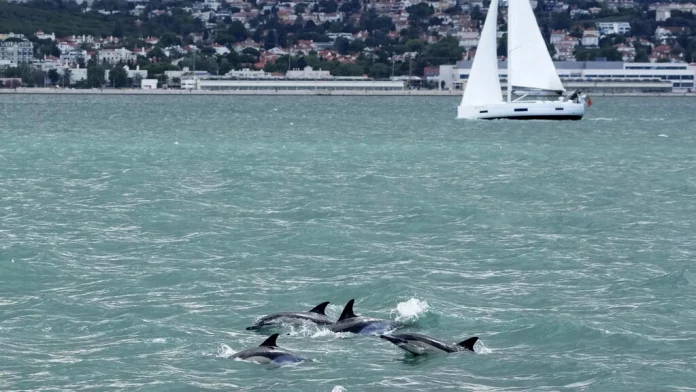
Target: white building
[[664, 11], [614, 27], [132, 73], [308, 73], [43, 36], [247, 73], [148, 84], [595, 75], [281, 84], [468, 39], [220, 50], [73, 56], [13, 52], [113, 56], [590, 38], [77, 74]]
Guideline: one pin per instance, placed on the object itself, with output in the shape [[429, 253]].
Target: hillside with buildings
[[119, 43]]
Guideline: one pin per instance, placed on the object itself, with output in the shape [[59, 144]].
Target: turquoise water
[[139, 236]]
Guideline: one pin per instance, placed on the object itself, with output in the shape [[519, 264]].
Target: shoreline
[[335, 93]]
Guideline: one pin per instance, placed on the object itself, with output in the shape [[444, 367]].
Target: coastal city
[[615, 46]]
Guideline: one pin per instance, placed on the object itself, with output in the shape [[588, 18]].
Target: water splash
[[411, 310], [338, 388], [480, 348], [225, 351]]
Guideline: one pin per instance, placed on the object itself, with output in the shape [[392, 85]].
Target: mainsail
[[529, 63], [483, 85]]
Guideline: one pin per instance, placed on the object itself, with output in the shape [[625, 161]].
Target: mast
[[507, 58]]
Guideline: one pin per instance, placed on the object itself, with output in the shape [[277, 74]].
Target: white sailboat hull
[[539, 110]]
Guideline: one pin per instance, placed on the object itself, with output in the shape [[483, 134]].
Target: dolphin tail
[[320, 309], [469, 343], [270, 342], [347, 311]]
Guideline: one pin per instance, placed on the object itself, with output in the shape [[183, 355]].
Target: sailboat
[[534, 89]]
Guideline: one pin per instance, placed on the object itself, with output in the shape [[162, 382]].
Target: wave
[[677, 278], [570, 333]]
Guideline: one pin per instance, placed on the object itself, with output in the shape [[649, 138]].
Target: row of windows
[[672, 67], [689, 85], [664, 77]]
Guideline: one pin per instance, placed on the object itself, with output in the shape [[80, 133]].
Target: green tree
[[66, 77], [347, 69], [238, 31], [118, 77], [414, 45], [95, 76], [380, 71], [53, 76], [328, 6], [561, 21], [418, 14], [341, 45]]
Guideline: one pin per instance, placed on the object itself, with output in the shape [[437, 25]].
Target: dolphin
[[350, 322], [418, 344], [316, 315], [268, 352]]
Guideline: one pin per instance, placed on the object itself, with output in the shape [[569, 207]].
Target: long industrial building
[[597, 76], [285, 84]]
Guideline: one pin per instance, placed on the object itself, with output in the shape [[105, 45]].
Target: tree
[[476, 14], [418, 14], [347, 69], [53, 76], [328, 6], [157, 53], [66, 77], [118, 77], [379, 71], [414, 45], [341, 45], [118, 30], [238, 31], [561, 21], [168, 39]]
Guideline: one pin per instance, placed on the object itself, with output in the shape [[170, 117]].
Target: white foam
[[159, 340], [663, 135], [338, 388], [480, 348], [225, 351], [411, 310]]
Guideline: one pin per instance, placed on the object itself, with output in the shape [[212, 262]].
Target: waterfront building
[[188, 83], [608, 76], [246, 73], [308, 73], [16, 52]]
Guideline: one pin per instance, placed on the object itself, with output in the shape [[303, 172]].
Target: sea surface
[[140, 235]]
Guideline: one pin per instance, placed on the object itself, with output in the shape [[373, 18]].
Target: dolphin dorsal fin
[[270, 342], [320, 309], [347, 311], [469, 343]]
